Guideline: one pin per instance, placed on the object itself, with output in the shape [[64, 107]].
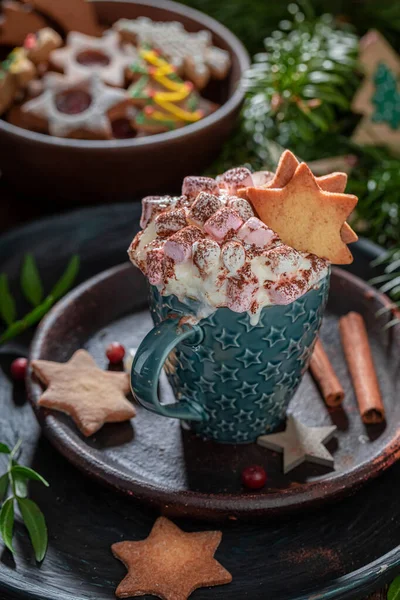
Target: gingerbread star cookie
[[170, 563], [304, 216], [92, 397], [334, 182], [83, 55], [77, 108]]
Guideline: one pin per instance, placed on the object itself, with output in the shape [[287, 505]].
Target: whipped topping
[[209, 245]]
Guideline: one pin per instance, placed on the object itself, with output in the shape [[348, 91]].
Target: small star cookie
[[78, 108], [83, 55], [170, 563], [304, 216], [91, 396]]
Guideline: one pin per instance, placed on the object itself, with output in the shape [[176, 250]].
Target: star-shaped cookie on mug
[[334, 182], [91, 396], [304, 215]]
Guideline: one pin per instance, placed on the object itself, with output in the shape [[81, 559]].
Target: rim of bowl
[[237, 48]]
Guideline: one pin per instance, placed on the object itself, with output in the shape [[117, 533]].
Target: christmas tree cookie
[[166, 101], [378, 98]]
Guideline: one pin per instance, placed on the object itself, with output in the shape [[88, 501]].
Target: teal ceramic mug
[[233, 381]]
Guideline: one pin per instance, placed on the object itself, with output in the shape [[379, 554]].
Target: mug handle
[[149, 360]]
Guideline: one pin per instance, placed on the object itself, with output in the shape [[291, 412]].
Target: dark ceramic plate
[[338, 551], [155, 460]]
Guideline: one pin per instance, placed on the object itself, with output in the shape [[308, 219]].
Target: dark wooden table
[[15, 210]]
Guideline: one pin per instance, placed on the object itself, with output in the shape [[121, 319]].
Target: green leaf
[[67, 279], [36, 526], [20, 486], [4, 449], [394, 589], [30, 281], [8, 311], [27, 473], [7, 523], [4, 483]]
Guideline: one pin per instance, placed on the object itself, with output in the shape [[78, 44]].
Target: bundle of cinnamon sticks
[[359, 359]]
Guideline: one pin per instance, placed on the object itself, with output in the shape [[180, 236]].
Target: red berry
[[115, 352], [254, 477], [18, 368]]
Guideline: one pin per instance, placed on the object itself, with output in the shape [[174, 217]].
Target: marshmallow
[[203, 207], [154, 265], [192, 186], [256, 232], [286, 291], [242, 207], [153, 205], [240, 294], [178, 247], [206, 254], [170, 221], [221, 223], [235, 179], [233, 256], [261, 178], [283, 260]]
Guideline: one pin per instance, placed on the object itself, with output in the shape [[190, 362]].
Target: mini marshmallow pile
[[207, 244]]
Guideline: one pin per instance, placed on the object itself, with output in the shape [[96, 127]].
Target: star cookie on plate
[[170, 563], [304, 216], [91, 396]]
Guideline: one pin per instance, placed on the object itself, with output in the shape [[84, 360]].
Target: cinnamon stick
[[361, 366], [325, 376]]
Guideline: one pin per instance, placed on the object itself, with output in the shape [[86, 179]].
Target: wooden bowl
[[84, 171]]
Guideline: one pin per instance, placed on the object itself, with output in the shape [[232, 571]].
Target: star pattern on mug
[[212, 413], [205, 353], [288, 380], [226, 373], [250, 358], [226, 403], [242, 436], [271, 371], [205, 385], [261, 370], [294, 348], [186, 362], [296, 310], [245, 321], [248, 388], [275, 335], [243, 416], [258, 423], [227, 340], [264, 400], [225, 426], [210, 321]]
